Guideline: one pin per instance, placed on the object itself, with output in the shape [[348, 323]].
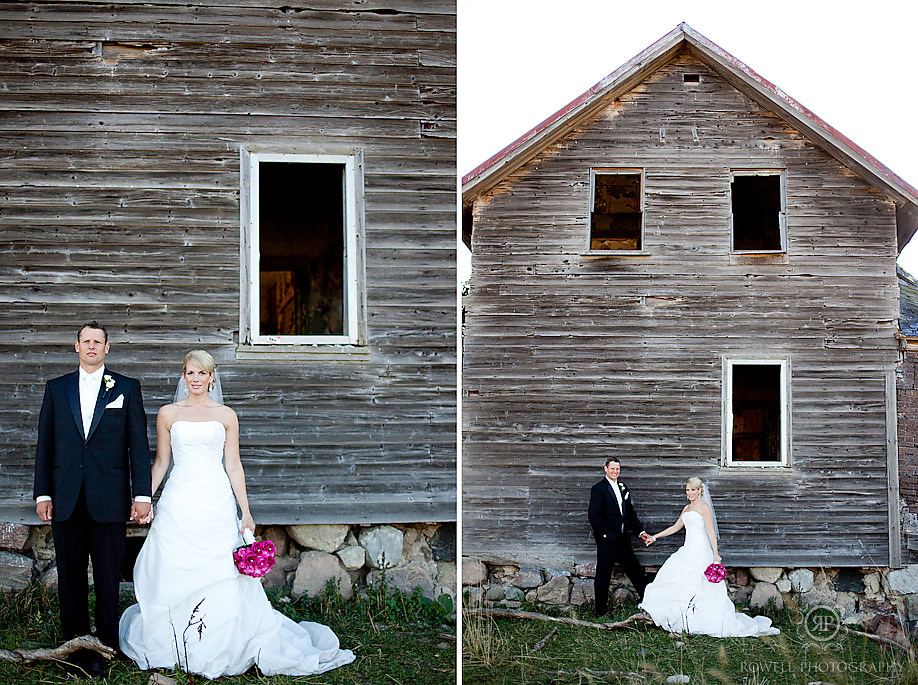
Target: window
[[756, 412], [616, 210], [302, 266], [757, 211]]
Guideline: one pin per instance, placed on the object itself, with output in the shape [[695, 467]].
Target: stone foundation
[[879, 600], [308, 556]]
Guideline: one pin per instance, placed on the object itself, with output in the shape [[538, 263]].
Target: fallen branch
[[877, 638], [640, 617], [21, 656], [541, 643]]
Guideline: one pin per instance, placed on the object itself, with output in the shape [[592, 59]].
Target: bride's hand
[[717, 559], [247, 522]]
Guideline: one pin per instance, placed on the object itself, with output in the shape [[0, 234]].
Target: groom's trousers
[[76, 540], [608, 553]]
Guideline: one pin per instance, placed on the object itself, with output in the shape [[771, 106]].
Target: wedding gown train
[[681, 599], [194, 609]]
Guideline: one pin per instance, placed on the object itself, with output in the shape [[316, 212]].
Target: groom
[[611, 512], [92, 459]]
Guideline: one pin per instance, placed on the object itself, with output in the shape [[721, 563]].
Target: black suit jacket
[[112, 464], [605, 517]]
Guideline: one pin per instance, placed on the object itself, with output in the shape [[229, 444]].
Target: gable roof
[[629, 75]]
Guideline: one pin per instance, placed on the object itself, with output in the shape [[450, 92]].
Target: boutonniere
[[109, 382]]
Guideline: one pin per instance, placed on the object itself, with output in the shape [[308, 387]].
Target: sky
[[521, 61]]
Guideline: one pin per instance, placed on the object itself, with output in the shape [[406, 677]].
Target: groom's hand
[[44, 510], [140, 512]]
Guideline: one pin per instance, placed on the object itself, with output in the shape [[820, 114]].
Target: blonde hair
[[200, 358], [695, 483]]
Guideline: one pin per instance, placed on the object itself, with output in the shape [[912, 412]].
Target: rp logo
[[821, 623]]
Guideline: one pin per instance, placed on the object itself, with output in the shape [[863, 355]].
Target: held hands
[[44, 510], [142, 512], [647, 538]]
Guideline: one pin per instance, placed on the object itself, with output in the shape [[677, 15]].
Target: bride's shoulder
[[168, 411], [226, 415]]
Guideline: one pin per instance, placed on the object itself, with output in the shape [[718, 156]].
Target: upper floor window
[[302, 266], [758, 210], [616, 209], [756, 410]]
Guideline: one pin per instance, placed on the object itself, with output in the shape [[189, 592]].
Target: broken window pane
[[615, 223], [756, 412], [301, 248], [756, 202]]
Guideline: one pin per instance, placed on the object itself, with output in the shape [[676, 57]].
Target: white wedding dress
[[681, 599], [194, 609]]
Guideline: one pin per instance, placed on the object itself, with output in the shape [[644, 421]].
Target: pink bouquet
[[715, 573], [255, 559]]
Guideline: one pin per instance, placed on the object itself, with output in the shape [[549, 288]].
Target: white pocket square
[[117, 404]]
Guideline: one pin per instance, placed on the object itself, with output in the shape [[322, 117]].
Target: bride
[[680, 598], [194, 609]]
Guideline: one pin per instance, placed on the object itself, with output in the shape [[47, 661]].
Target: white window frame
[[782, 215], [609, 171], [727, 412], [354, 299]]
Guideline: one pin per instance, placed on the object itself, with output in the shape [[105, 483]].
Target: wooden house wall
[[120, 128], [570, 357]]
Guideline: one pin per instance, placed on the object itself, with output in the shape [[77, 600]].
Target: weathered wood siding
[[120, 129], [569, 358]]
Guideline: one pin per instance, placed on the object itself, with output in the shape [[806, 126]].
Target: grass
[[500, 651], [397, 638]]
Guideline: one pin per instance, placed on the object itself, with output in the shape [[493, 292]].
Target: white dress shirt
[[618, 498], [89, 393]]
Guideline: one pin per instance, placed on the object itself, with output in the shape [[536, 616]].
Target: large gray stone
[[495, 593], [383, 545], [766, 574], [325, 537], [904, 581], [527, 578], [352, 556], [314, 571], [514, 594], [555, 591], [15, 571], [763, 593], [415, 547], [408, 577], [13, 536], [581, 591], [446, 577], [474, 572], [801, 579]]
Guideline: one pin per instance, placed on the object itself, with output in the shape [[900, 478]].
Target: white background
[[851, 64]]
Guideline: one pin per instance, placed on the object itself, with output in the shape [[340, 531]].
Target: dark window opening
[[756, 412], [691, 78], [615, 223], [301, 248], [756, 203]]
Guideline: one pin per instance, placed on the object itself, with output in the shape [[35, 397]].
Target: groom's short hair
[[615, 459], [95, 325]]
